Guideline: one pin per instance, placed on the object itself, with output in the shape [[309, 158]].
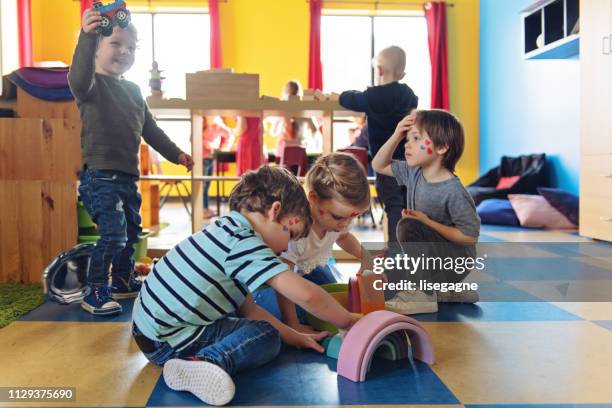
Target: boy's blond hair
[[339, 176]]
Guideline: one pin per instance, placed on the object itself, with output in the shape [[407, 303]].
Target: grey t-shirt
[[446, 202]]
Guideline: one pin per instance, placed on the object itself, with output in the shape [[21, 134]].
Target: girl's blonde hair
[[339, 176]]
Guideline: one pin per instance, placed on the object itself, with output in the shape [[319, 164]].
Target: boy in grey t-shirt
[[440, 210]]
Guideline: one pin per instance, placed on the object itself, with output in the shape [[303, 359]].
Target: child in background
[[114, 116], [215, 136], [385, 105], [292, 131], [338, 191], [440, 210], [249, 151], [184, 317]]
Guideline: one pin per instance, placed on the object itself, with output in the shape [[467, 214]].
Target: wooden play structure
[[40, 159], [222, 92]]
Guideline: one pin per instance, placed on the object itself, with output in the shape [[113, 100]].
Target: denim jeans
[[207, 170], [113, 202], [393, 198], [414, 237], [234, 344], [266, 297]]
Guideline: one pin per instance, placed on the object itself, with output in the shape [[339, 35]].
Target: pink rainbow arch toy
[[364, 337]]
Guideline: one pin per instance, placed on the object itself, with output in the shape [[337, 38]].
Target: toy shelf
[[551, 29]]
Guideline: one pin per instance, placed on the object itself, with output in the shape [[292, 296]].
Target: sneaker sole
[[207, 381], [415, 308], [101, 312]]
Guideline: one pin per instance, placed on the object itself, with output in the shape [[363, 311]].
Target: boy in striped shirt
[[195, 314]]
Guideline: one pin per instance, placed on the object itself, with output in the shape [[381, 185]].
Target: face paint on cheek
[[422, 147], [429, 151], [427, 142], [285, 228]]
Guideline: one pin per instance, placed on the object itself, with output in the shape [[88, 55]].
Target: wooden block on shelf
[[218, 71], [29, 106], [222, 86]]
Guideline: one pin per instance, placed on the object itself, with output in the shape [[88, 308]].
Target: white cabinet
[[596, 119]]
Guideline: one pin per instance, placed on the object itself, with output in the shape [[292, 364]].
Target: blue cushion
[[497, 212], [564, 202]]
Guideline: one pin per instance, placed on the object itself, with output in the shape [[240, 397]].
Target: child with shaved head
[[385, 104]]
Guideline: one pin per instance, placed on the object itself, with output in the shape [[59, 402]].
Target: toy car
[[114, 13]]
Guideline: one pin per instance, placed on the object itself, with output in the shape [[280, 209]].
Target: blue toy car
[[112, 14]]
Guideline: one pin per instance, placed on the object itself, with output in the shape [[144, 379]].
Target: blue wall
[[526, 106]]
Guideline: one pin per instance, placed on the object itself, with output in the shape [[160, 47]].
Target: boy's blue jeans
[[234, 344], [266, 297], [207, 170], [113, 202]]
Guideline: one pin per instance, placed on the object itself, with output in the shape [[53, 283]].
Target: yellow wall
[[270, 37], [55, 28], [463, 64]]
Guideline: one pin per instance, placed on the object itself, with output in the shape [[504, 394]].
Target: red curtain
[[215, 35], [315, 68], [24, 24], [435, 14], [85, 4]]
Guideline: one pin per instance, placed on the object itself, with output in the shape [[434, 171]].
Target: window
[[349, 43], [9, 46], [161, 38]]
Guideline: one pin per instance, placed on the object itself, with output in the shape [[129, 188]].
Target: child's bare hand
[[354, 319], [186, 161], [91, 20], [414, 214], [302, 340], [404, 126]]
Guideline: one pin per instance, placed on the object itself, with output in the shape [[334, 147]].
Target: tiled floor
[[527, 353]]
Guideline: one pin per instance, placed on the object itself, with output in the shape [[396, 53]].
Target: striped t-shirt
[[203, 279]]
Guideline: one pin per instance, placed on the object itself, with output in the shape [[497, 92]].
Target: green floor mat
[[17, 299]]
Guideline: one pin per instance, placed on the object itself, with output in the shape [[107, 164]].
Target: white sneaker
[[205, 380], [412, 302], [466, 296]]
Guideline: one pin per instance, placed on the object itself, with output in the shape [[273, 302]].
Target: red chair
[[295, 159], [361, 154]]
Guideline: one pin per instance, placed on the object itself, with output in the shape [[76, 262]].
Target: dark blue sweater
[[384, 106]]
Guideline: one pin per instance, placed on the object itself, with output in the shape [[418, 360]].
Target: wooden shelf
[[256, 107]]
